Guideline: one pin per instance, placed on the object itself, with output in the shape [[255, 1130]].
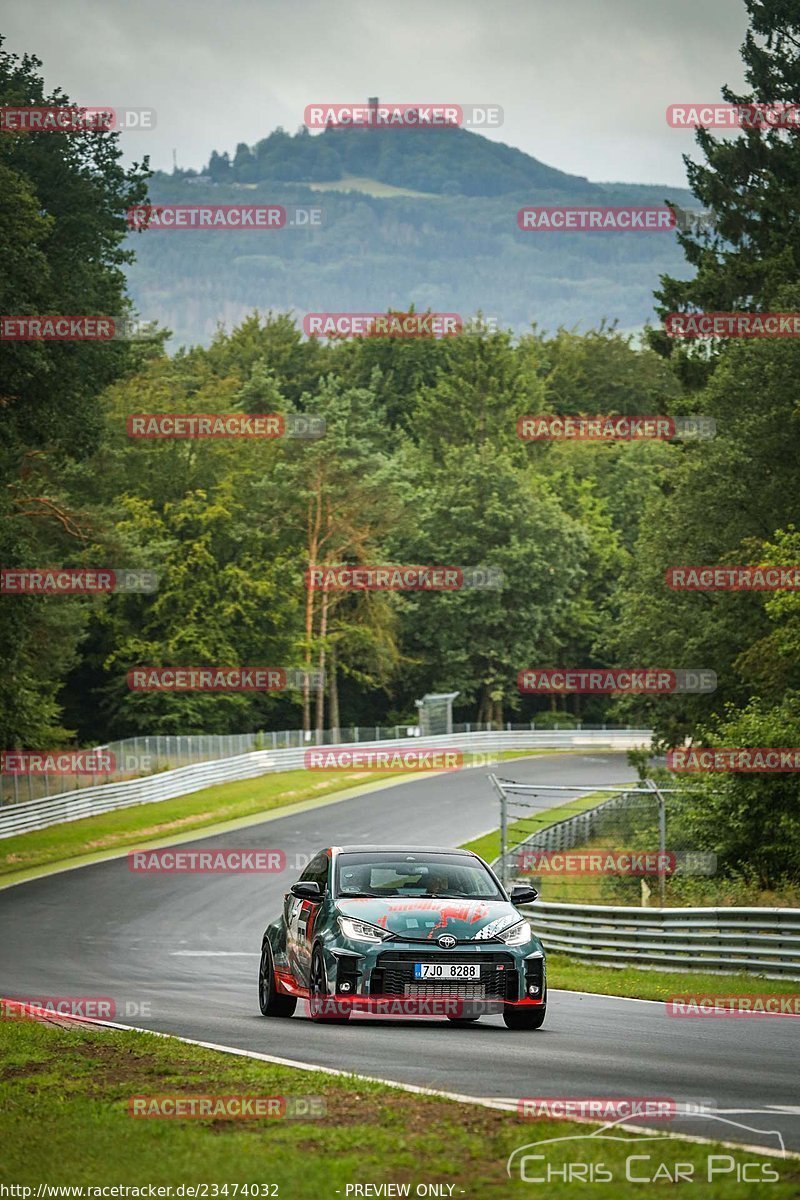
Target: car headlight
[[517, 935], [361, 931]]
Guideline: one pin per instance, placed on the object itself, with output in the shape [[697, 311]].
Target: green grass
[[64, 1120], [169, 819], [565, 972], [488, 844]]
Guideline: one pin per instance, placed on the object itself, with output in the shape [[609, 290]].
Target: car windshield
[[419, 874]]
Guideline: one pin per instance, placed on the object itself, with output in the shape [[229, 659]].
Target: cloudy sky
[[583, 85]]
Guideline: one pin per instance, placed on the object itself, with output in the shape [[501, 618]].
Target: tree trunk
[[312, 545], [333, 695], [323, 631]]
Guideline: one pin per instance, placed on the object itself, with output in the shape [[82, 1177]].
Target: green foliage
[[62, 200], [748, 182], [752, 821]]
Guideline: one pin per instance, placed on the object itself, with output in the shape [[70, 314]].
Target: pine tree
[[751, 183]]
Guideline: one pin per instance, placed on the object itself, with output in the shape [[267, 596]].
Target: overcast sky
[[583, 84]]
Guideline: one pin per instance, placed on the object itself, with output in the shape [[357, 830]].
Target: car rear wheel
[[271, 1002], [318, 998], [524, 1016]]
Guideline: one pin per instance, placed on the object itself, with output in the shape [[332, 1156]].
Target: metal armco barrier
[[88, 802], [717, 940]]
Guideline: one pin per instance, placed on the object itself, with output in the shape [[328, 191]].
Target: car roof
[[403, 850]]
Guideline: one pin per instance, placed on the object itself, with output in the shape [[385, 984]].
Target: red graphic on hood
[[469, 912]]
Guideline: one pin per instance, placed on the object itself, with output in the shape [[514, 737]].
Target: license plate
[[447, 971]]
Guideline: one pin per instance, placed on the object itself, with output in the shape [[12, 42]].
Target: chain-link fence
[[612, 846]]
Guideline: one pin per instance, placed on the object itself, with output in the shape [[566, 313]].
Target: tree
[[62, 203], [719, 501], [749, 183], [748, 819]]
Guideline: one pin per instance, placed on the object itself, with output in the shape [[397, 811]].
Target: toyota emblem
[[447, 941]]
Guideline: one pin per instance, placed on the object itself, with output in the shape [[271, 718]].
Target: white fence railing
[[87, 802], [763, 940]]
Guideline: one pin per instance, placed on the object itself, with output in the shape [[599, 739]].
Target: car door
[[301, 918]]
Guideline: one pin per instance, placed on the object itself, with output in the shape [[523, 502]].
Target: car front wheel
[[271, 1002], [524, 1016]]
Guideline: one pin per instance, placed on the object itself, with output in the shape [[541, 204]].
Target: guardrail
[[717, 940], [150, 754], [72, 806]]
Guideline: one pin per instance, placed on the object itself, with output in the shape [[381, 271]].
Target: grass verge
[[64, 1095], [565, 972]]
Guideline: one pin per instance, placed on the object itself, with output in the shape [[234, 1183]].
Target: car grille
[[394, 975], [462, 991]]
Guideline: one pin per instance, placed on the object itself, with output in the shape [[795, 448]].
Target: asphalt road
[[179, 953]]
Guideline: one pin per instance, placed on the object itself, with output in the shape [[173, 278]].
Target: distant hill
[[446, 162], [410, 216]]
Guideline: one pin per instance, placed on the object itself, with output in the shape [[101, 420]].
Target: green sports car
[[403, 929]]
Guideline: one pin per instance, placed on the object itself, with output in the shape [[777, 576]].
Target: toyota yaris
[[365, 924]]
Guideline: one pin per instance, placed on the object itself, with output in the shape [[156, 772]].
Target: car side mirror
[[306, 889], [523, 894]]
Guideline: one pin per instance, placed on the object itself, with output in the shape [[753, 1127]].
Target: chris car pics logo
[[610, 1154]]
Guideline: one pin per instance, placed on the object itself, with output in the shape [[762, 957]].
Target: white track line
[[503, 1105], [214, 954]]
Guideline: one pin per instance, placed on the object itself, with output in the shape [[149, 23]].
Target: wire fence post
[[503, 826], [662, 842]]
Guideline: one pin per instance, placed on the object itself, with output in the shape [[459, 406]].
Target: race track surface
[[186, 947]]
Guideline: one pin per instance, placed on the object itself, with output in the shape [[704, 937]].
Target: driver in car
[[437, 884]]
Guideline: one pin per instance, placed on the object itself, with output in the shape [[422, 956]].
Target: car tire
[[318, 991], [524, 1016], [272, 1002]]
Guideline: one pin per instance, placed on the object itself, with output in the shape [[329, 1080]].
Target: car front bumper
[[508, 974]]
